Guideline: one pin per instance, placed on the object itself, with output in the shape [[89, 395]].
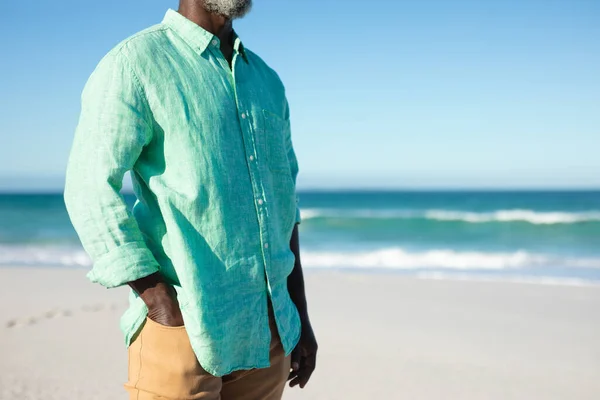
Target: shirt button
[[266, 245], [251, 158], [243, 115], [214, 42], [260, 201]]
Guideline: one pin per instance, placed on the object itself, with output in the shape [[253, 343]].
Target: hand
[[163, 306], [304, 357]]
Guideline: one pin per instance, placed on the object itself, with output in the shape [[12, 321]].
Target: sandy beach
[[381, 336]]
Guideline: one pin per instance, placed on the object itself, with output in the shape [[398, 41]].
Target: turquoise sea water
[[541, 236]]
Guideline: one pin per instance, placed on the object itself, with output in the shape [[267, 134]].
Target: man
[[210, 250]]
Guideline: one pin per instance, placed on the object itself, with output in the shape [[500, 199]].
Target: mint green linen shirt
[[214, 172]]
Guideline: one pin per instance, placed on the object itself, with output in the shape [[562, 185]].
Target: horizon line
[[128, 191]]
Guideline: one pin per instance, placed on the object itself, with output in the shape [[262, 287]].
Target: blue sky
[[410, 94]]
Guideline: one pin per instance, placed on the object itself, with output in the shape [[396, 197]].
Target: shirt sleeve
[[114, 126], [292, 158]]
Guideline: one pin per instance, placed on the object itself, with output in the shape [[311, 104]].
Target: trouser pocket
[[163, 365]]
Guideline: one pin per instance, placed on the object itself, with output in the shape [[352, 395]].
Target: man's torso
[[216, 191]]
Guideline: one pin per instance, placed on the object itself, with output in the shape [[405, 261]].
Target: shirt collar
[[239, 46], [196, 36]]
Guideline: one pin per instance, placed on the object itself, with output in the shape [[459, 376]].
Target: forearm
[[296, 279]]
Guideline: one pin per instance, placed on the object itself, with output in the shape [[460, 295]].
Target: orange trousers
[[162, 365]]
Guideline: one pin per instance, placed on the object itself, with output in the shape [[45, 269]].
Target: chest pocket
[[273, 142]]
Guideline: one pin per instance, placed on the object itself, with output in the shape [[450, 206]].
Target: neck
[[216, 24]]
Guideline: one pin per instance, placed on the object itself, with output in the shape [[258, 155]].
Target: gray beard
[[228, 8]]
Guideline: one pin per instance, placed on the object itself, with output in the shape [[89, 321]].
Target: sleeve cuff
[[123, 264]]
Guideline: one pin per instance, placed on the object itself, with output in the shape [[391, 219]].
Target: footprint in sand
[[92, 308], [52, 314], [15, 323], [57, 313]]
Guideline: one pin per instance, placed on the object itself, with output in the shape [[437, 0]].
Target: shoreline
[[477, 276]]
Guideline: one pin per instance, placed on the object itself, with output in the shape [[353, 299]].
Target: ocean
[[544, 237]]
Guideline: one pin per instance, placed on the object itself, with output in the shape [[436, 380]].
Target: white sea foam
[[427, 264], [533, 217], [516, 215], [542, 280], [35, 255], [310, 213], [397, 258]]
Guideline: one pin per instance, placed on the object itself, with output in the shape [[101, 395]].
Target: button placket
[[249, 139], [255, 176]]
